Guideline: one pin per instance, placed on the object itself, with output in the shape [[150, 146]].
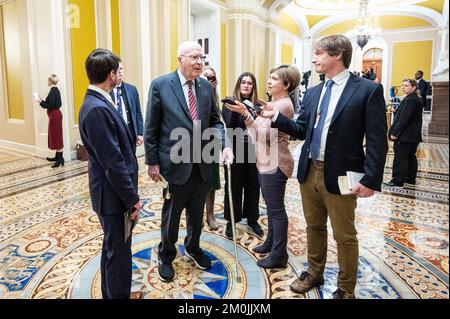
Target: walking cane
[[233, 223]]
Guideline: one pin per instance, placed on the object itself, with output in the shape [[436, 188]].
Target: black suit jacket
[[360, 113], [407, 125], [113, 167], [167, 111]]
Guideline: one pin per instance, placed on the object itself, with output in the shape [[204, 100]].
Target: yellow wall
[[287, 54], [437, 5], [408, 57], [115, 25], [390, 22], [12, 56], [173, 34], [83, 41], [223, 53], [287, 23]]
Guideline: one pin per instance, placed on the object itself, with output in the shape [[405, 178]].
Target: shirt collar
[[104, 93], [341, 78], [183, 79]]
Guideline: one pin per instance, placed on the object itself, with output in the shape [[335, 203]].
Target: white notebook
[[346, 183]]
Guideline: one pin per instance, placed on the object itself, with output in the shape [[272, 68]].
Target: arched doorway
[[373, 59]]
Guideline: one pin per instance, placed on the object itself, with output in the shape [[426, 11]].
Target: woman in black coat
[[406, 132], [55, 135]]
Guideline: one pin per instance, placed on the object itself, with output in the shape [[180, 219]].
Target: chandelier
[[363, 31]]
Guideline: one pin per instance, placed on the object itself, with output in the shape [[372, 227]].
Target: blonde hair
[[54, 79], [289, 74]]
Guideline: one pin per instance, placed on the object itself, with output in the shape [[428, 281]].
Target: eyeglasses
[[196, 57]]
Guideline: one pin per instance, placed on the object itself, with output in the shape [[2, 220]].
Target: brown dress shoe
[[342, 294], [136, 295], [305, 283]]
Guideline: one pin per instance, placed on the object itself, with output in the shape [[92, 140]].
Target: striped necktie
[[192, 101]]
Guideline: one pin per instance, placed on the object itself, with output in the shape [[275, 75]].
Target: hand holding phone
[[257, 108], [229, 100]]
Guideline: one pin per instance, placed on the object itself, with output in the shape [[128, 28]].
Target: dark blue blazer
[[113, 167], [167, 110], [407, 125], [132, 100], [360, 113]]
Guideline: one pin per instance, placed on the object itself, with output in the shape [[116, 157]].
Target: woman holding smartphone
[[274, 162], [244, 176]]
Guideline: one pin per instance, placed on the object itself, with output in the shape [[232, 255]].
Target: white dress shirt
[[104, 93], [185, 87], [340, 82]]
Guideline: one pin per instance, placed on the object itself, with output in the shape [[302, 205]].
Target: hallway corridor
[[50, 240]]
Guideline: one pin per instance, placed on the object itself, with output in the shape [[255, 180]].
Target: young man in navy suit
[[113, 171], [336, 117]]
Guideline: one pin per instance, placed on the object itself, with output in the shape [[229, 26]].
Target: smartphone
[[255, 107], [229, 100]]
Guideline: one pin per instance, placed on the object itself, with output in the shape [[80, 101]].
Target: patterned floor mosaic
[[50, 240]]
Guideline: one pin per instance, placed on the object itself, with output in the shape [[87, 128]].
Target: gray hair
[[186, 46], [54, 79]]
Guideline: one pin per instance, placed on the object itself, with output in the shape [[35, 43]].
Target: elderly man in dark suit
[[182, 104], [113, 171], [126, 98], [335, 118]]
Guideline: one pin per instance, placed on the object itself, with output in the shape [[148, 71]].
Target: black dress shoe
[[201, 260], [165, 271], [265, 248], [256, 228], [273, 261], [393, 184], [410, 182], [229, 231]]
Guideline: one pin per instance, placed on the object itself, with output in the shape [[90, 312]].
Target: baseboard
[[33, 150]]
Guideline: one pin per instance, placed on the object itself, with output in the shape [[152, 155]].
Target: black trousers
[[115, 264], [246, 190], [405, 165], [273, 189], [190, 196]]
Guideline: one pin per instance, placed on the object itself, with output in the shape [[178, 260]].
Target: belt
[[317, 164]]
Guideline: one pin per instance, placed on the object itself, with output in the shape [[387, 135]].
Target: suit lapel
[[178, 91], [198, 89], [116, 114], [350, 89]]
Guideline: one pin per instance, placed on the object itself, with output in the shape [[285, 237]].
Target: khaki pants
[[318, 205]]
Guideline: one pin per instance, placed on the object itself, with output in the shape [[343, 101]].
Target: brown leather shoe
[[136, 295], [305, 283], [342, 294]]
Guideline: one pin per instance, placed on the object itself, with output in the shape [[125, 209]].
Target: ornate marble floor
[[50, 240]]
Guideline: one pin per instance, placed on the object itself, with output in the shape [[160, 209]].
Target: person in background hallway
[[126, 98], [244, 174], [335, 118], [185, 101], [274, 161], [406, 132], [113, 172], [214, 183], [55, 133], [422, 85]]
